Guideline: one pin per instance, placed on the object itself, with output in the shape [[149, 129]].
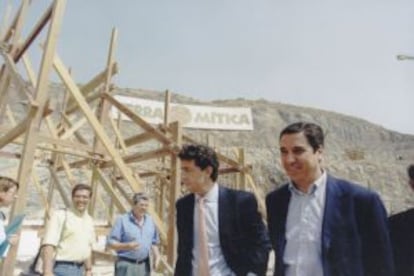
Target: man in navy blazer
[[320, 225], [238, 243], [402, 236]]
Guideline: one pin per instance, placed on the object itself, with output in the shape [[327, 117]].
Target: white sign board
[[191, 116]]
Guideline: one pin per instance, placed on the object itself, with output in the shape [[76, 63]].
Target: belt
[[69, 263], [134, 261]]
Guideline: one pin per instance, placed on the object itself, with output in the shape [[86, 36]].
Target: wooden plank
[[102, 114], [89, 99], [74, 128], [6, 16], [31, 137], [19, 129], [66, 200], [106, 184], [34, 33], [175, 186], [7, 33], [119, 138], [91, 86], [142, 156], [139, 138], [77, 134], [68, 144], [11, 75]]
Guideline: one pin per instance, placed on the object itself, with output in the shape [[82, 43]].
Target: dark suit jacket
[[402, 240], [243, 237], [355, 240]]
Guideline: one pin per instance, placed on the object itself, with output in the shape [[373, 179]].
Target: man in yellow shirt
[[67, 245]]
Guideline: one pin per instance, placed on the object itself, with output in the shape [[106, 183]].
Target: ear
[[209, 170], [320, 151]]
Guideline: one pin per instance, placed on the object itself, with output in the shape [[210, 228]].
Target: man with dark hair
[[220, 231], [402, 235], [322, 225], [70, 234], [133, 237]]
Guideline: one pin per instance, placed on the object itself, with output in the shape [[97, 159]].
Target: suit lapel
[[189, 219], [224, 216], [332, 213]]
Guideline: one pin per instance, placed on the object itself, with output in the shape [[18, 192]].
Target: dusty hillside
[[356, 149]]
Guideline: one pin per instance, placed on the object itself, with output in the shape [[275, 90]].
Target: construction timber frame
[[53, 132]]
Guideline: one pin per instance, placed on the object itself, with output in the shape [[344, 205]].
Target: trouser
[[128, 268], [63, 268]]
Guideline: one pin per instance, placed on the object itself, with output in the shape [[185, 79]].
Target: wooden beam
[[34, 33], [141, 156], [19, 129], [175, 186], [91, 86], [31, 138], [102, 115], [106, 184], [62, 192], [139, 138]]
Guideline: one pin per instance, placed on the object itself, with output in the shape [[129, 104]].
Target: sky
[[334, 55]]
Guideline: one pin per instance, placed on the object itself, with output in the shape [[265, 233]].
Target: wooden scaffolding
[[73, 132]]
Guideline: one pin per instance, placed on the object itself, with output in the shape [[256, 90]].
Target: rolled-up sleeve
[[54, 228], [116, 232]]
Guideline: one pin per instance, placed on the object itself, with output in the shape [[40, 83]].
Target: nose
[[289, 157]]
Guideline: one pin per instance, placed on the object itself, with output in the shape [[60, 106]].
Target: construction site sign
[[191, 116]]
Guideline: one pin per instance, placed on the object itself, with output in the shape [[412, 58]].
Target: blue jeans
[[64, 269], [123, 268]]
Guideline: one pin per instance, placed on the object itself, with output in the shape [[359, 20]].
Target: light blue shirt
[[302, 255], [126, 229]]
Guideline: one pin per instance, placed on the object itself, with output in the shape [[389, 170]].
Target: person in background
[[69, 236], [320, 224], [402, 235], [220, 231], [133, 237], [8, 193]]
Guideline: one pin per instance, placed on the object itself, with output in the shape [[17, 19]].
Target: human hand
[[132, 245]]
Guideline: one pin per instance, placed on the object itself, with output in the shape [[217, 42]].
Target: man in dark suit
[[320, 225], [402, 236], [237, 242]]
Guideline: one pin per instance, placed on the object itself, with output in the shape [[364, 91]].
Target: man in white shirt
[[322, 225]]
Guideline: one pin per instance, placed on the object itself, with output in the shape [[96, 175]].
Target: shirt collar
[[317, 185], [211, 195], [134, 219]]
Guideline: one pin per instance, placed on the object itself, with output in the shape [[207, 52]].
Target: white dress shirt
[[217, 263], [302, 255]]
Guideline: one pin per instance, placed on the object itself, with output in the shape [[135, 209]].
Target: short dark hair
[[313, 133], [6, 183], [81, 186], [137, 197], [203, 157], [410, 171]]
